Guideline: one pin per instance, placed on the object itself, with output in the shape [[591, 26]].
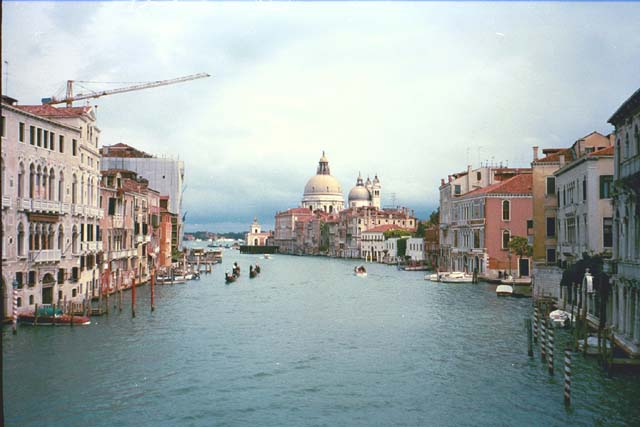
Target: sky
[[410, 91]]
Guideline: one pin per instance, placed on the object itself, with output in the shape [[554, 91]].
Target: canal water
[[306, 343]]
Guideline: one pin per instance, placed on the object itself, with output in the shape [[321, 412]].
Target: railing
[[122, 253], [91, 246], [65, 208], [45, 255], [6, 202]]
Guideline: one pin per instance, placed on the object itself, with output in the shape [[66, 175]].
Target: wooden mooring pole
[[153, 282], [133, 297], [527, 326], [536, 320], [567, 376], [550, 341]]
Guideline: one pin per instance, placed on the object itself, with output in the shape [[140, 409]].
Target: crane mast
[[70, 97]]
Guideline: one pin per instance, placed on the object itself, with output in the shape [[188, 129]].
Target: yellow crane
[[70, 97]]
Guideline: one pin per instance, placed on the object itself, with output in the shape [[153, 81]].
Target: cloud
[[410, 91]]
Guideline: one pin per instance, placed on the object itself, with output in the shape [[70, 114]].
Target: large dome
[[322, 184]]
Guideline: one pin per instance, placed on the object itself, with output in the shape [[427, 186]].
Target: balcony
[[6, 202], [45, 255], [77, 209], [91, 246], [65, 208], [630, 167]]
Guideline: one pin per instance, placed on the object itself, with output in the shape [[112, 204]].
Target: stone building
[[255, 236], [51, 237], [625, 298], [323, 191], [365, 194]]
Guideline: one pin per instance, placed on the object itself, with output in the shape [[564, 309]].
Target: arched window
[[506, 210], [637, 138], [61, 187], [32, 181], [626, 146], [20, 242], [60, 238], [74, 189], [21, 180], [40, 184], [506, 237], [52, 177], [74, 240], [82, 190], [255, 242]]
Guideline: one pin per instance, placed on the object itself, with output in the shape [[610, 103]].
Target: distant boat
[[230, 278], [592, 345], [504, 290], [360, 271], [560, 318], [267, 256]]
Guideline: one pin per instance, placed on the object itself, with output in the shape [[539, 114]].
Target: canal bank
[[305, 343]]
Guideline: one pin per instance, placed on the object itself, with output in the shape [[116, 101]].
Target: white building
[[365, 195], [415, 249], [165, 175], [255, 236], [51, 237], [323, 191], [584, 216], [625, 299]]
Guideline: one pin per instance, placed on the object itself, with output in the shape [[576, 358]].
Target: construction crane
[[70, 97]]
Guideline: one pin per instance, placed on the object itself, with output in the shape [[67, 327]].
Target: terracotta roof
[[604, 152], [383, 228], [50, 111], [519, 184], [555, 156], [121, 150], [296, 211]]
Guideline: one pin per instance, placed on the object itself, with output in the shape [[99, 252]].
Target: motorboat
[[504, 290], [360, 271], [560, 318], [450, 277], [267, 256]]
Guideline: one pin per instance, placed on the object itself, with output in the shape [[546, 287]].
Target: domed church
[[365, 194], [323, 191]]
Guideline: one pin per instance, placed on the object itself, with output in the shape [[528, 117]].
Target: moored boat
[[504, 290], [560, 318], [47, 317], [450, 277]]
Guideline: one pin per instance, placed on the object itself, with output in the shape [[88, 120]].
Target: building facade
[[323, 191], [50, 205], [255, 236], [625, 298]]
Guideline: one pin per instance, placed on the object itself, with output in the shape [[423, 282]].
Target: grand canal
[[305, 343]]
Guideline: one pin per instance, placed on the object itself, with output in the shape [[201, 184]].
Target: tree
[[520, 246]]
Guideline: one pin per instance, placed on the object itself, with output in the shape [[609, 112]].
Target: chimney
[[561, 160], [535, 153]]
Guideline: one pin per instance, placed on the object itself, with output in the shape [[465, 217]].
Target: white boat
[[360, 271], [504, 290], [450, 277], [592, 345], [267, 256], [560, 318]]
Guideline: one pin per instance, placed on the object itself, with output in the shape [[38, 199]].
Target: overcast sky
[[410, 91]]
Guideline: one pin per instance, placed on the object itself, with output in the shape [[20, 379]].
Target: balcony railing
[[117, 221], [65, 208], [91, 246], [6, 202], [630, 167], [45, 255]]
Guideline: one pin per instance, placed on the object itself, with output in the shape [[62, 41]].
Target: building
[[365, 194], [625, 283], [416, 249], [255, 236], [285, 229], [482, 223], [165, 232], [373, 242], [323, 191], [585, 216], [164, 175], [50, 204]]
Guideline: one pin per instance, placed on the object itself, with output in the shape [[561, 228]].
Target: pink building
[[484, 222]]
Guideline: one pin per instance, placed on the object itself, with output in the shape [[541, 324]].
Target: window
[[19, 280], [478, 176], [3, 126], [39, 137], [506, 237], [606, 183], [32, 135], [607, 232], [506, 210], [637, 138], [551, 226], [551, 255], [21, 132], [45, 138], [457, 190], [584, 189], [74, 147], [476, 239], [551, 185], [52, 142], [571, 230], [529, 223], [32, 278], [61, 143]]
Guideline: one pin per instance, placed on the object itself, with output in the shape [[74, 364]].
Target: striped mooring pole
[[536, 320], [567, 376], [550, 344], [15, 310], [543, 343]]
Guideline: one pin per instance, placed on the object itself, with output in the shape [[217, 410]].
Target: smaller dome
[[359, 193]]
